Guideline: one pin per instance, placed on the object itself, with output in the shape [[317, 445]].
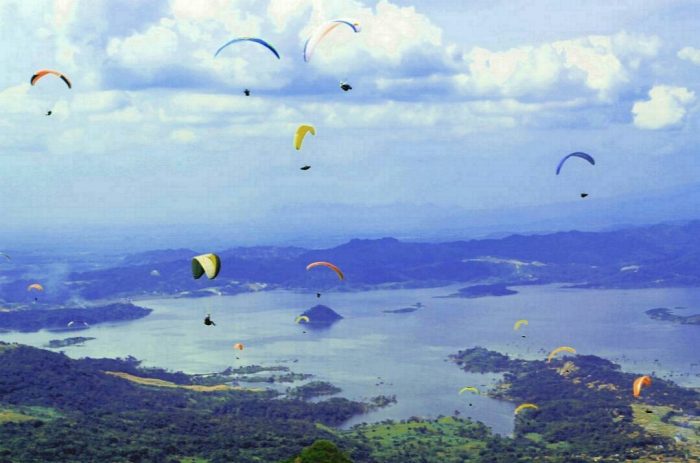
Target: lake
[[370, 352]]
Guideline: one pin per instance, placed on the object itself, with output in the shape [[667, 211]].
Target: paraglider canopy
[[248, 39], [520, 323], [302, 318], [469, 388], [333, 267], [73, 323], [208, 264], [554, 353], [322, 31], [305, 168], [300, 134], [577, 154], [238, 346], [642, 381], [35, 287], [525, 406], [44, 72]]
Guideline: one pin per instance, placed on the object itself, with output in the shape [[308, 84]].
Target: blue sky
[[458, 116]]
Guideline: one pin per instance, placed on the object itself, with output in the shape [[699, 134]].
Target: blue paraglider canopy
[[249, 39], [577, 154]]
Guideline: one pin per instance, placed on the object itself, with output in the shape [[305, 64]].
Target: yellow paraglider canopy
[[301, 132], [35, 287], [303, 318], [520, 323], [554, 353], [208, 264], [469, 388], [522, 407]]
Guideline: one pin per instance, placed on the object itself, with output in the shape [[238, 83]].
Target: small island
[[472, 292], [413, 308], [313, 389], [667, 315], [404, 310], [76, 341], [321, 316]]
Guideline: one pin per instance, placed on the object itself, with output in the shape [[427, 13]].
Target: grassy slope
[[161, 383]]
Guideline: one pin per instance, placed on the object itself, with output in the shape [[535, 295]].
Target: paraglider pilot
[[208, 321], [345, 86]]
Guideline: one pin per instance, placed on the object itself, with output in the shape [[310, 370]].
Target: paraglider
[[337, 270], [318, 295], [208, 264], [642, 381], [35, 287], [246, 92], [306, 168], [238, 346], [553, 354], [73, 323], [345, 86], [6, 256], [469, 388], [322, 31], [44, 72], [302, 318], [520, 323], [248, 39], [208, 321], [524, 406], [49, 112], [577, 154], [300, 134]]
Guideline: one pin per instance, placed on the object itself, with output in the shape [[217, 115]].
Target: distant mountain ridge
[[651, 256]]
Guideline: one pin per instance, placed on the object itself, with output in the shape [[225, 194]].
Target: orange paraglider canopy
[[39, 74], [639, 383], [329, 265], [238, 346]]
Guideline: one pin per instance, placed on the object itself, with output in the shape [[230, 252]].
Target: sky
[[458, 116]]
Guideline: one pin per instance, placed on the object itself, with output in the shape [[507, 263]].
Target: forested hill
[[55, 409]]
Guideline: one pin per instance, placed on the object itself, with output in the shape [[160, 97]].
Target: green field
[[446, 440]]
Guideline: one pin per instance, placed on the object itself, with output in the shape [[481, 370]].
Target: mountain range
[[664, 255]]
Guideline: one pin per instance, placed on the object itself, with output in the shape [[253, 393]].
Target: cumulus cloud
[[601, 64], [690, 54], [666, 107]]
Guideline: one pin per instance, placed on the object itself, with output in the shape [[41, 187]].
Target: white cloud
[[183, 136], [666, 107], [600, 64], [690, 54], [157, 46], [389, 33]]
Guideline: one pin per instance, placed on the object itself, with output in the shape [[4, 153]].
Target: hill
[[641, 257]]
